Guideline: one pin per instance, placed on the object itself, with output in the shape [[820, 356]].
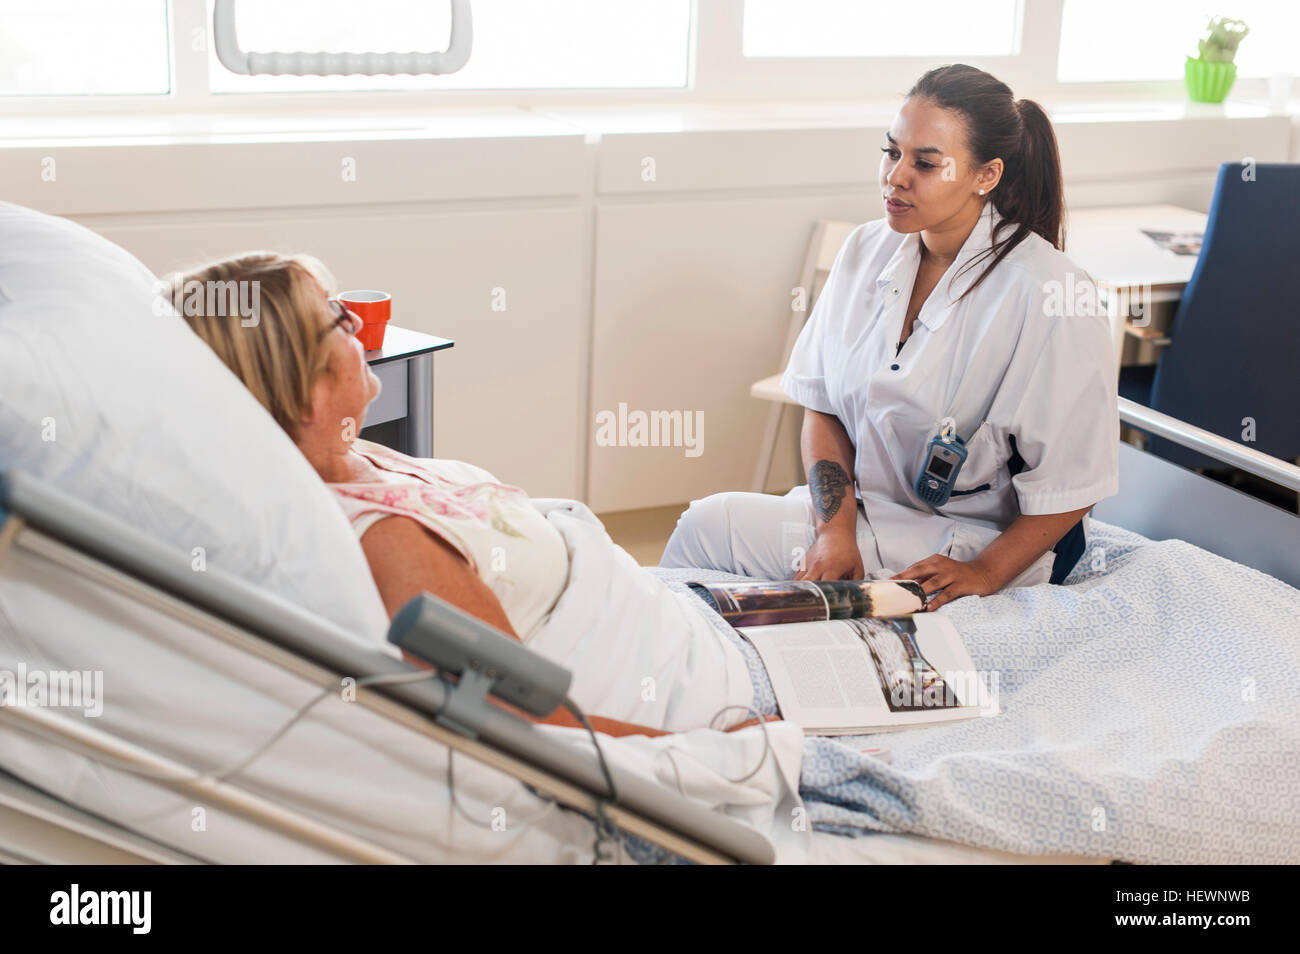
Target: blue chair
[[1235, 350]]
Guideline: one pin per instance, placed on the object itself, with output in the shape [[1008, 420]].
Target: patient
[[444, 526]]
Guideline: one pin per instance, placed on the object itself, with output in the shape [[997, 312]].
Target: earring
[[981, 191]]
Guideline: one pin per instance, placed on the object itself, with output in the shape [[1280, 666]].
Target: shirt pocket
[[985, 467]]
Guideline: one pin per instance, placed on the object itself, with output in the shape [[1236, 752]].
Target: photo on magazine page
[[763, 603], [907, 679]]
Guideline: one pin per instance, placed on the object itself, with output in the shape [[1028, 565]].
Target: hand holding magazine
[[855, 657]]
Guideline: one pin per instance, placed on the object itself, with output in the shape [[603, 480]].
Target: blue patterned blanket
[[1149, 713]]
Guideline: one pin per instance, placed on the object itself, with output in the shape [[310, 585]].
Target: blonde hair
[[262, 317]]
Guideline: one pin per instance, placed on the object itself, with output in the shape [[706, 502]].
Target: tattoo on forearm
[[828, 484]]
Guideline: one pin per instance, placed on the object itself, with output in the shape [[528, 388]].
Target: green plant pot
[[1207, 81]]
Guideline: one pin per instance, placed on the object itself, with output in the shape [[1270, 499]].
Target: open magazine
[[855, 657]]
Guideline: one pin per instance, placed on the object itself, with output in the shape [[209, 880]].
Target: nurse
[[957, 315]]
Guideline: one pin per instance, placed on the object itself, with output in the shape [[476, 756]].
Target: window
[[879, 28], [74, 47], [155, 56], [518, 44], [1111, 40]]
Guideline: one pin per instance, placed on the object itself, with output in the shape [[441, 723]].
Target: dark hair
[[1030, 196]]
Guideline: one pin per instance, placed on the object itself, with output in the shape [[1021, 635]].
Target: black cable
[[604, 827], [604, 766]]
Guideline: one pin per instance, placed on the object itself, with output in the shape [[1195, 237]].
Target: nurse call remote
[[943, 460]]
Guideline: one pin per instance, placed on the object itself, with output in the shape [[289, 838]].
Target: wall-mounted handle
[[237, 60]]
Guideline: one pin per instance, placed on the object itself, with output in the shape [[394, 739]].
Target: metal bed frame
[[1157, 499], [1161, 500]]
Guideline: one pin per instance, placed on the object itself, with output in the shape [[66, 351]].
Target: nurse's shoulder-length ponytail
[[1030, 196]]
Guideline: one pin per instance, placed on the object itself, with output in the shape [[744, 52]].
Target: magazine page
[[1180, 243], [801, 601], [872, 675]]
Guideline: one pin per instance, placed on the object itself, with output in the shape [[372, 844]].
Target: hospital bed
[[45, 533]]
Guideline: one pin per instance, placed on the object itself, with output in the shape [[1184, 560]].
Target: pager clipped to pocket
[[943, 459]]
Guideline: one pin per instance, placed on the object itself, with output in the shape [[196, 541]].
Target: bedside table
[[402, 416]]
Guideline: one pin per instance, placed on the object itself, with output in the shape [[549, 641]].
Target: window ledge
[[224, 128], [515, 122]]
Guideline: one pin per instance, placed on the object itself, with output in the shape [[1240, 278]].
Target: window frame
[[718, 72]]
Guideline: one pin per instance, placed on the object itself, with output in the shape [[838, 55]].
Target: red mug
[[374, 308]]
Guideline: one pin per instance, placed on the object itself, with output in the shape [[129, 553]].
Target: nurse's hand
[[954, 577], [833, 556]]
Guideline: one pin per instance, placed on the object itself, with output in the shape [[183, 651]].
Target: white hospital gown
[[1027, 356], [637, 651], [494, 526]]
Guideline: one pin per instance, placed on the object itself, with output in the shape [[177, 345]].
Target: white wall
[[665, 294]]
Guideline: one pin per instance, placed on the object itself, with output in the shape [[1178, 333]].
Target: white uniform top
[[1027, 355]]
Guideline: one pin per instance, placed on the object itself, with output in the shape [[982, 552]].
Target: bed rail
[[1162, 500], [41, 829], [1212, 445]]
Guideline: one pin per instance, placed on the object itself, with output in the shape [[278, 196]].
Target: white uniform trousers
[[767, 537]]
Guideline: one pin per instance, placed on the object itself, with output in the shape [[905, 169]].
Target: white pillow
[[105, 393]]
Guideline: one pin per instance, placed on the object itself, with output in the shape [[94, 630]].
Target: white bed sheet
[[890, 849]]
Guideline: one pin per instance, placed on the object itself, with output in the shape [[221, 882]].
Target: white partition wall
[[700, 238], [477, 229]]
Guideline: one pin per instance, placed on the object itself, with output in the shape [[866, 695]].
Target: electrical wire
[[263, 747], [767, 748], [578, 714], [396, 678], [606, 830], [455, 802]]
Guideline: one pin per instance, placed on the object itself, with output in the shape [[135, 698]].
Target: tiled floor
[[643, 533]]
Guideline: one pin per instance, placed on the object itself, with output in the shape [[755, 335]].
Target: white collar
[[907, 259]]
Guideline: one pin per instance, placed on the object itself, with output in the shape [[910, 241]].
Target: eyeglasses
[[343, 318]]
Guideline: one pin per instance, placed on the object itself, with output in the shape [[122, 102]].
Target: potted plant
[[1210, 75]]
